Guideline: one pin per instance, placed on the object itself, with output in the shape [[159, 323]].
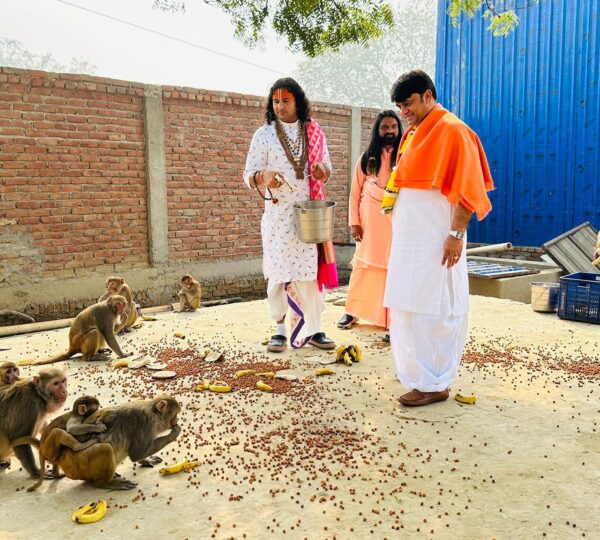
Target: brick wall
[[72, 177]]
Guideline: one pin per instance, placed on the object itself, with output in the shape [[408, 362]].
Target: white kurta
[[428, 303], [285, 257]]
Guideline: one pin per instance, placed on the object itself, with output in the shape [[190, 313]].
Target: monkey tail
[[57, 358], [25, 440]]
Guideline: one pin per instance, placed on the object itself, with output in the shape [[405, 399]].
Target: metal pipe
[[492, 248]]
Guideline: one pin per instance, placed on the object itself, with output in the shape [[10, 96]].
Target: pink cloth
[[327, 275]]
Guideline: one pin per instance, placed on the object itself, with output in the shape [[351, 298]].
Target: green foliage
[[363, 76], [502, 22], [14, 54], [309, 26]]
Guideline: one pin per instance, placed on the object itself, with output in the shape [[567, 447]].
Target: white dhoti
[[428, 303], [305, 302]]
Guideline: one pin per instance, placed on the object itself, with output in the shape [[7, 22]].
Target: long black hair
[[376, 145], [302, 103]]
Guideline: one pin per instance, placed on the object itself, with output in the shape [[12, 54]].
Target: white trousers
[[427, 348], [306, 295]]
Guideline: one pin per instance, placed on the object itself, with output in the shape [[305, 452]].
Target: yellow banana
[[91, 512], [219, 386], [120, 364], [596, 262], [347, 359], [25, 362], [202, 386], [178, 467], [267, 374], [179, 335], [339, 353], [265, 341], [357, 353], [243, 373], [469, 400], [264, 387], [323, 371], [147, 318]]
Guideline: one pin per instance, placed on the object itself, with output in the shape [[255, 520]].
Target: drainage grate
[[495, 271]]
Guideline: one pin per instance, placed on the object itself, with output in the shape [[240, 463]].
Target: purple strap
[[295, 331]]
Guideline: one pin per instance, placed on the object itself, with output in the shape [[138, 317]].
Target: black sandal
[[321, 341], [277, 343]]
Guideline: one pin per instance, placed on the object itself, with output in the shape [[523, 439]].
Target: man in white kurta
[[289, 265], [441, 179]]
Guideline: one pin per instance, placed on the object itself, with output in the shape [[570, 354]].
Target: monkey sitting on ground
[[9, 374], [190, 294], [92, 329], [23, 408], [61, 433], [116, 286], [132, 430]]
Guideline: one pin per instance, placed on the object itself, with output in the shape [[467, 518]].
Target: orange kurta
[[369, 265]]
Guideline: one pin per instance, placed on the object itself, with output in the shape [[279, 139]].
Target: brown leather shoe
[[416, 398]]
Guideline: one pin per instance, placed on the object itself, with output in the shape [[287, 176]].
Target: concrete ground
[[337, 456]]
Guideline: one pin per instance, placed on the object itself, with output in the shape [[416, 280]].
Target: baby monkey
[[190, 294], [61, 433], [9, 374]]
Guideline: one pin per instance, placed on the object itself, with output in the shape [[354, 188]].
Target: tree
[[14, 54], [502, 21], [363, 76], [310, 26]]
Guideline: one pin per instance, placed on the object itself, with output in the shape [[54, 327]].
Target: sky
[[121, 51]]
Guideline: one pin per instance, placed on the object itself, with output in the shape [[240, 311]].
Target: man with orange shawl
[[288, 163], [371, 229], [441, 179]]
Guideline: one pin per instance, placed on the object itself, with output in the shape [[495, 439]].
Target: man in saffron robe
[[441, 180], [371, 229], [288, 163]]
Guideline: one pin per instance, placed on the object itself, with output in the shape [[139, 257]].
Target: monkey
[[132, 430], [190, 294], [24, 407], [91, 329], [116, 286], [61, 432], [9, 374]]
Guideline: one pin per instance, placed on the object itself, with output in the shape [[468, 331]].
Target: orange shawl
[[446, 154]]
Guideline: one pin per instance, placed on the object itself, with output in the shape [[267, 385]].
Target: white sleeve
[[257, 158]]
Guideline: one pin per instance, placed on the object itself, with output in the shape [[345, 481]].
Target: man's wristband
[[459, 235]]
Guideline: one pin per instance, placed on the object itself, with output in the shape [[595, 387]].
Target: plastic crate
[[579, 297]]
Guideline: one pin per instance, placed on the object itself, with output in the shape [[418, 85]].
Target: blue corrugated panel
[[534, 100]]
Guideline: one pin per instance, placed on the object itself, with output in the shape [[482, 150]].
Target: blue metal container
[[534, 100]]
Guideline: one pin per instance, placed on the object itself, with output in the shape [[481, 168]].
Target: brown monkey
[[61, 433], [132, 430], [190, 294], [116, 286], [9, 374], [23, 408], [92, 329]]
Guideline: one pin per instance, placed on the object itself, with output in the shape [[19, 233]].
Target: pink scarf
[[327, 275]]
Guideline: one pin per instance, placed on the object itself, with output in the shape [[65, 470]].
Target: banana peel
[[202, 386], [90, 513], [178, 467], [218, 386], [120, 364], [468, 400], [25, 362], [348, 354], [266, 374], [179, 335], [243, 373], [324, 371], [148, 318], [264, 386]]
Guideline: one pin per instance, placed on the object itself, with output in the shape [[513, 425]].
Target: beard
[[389, 139]]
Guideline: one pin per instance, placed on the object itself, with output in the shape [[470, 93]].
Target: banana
[[147, 318], [120, 364], [339, 353], [347, 359], [25, 362], [243, 373], [264, 387], [265, 341], [469, 400], [323, 371], [91, 512], [178, 467], [267, 374], [357, 353], [179, 335], [219, 386], [596, 262], [202, 386]]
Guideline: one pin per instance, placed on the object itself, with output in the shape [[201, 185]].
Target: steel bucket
[[314, 221], [544, 296]]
